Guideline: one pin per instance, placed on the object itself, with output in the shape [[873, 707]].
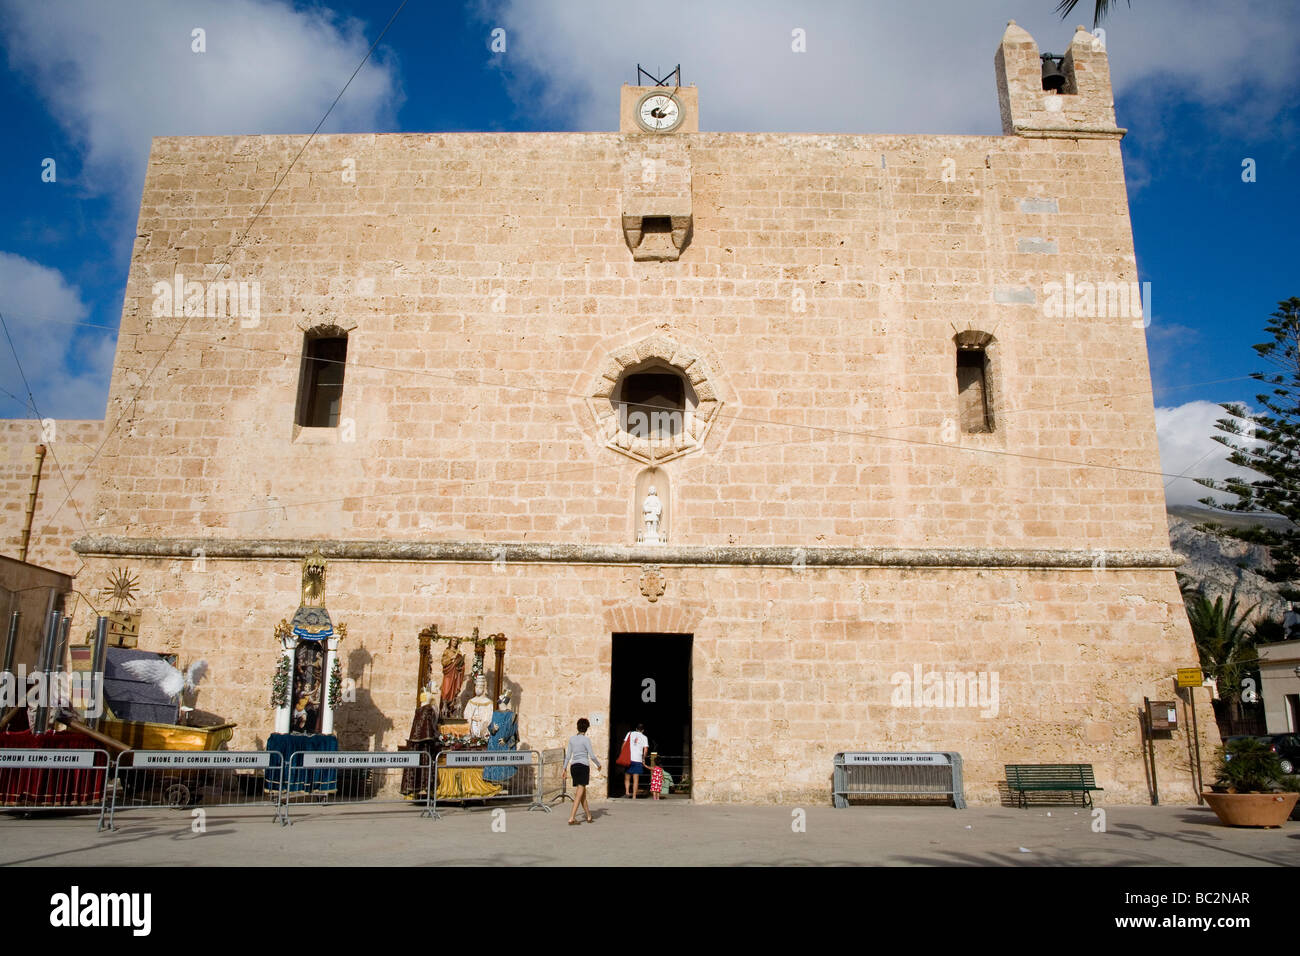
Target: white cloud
[[879, 67], [1187, 448], [114, 75], [67, 365]]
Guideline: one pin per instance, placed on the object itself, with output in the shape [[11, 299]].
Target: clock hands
[[663, 116]]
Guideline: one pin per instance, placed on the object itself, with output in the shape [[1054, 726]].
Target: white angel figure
[[171, 680]]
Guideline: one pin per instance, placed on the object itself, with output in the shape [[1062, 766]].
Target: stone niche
[[649, 478]]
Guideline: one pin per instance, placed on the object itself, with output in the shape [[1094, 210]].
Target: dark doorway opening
[[650, 684]]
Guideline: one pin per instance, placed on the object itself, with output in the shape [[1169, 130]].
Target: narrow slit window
[[320, 395], [973, 391]]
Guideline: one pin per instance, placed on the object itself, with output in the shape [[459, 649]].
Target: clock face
[[659, 112]]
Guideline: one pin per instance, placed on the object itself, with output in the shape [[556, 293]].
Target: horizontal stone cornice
[[480, 552], [1071, 132]]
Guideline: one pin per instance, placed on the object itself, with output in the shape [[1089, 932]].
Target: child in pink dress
[[656, 781]]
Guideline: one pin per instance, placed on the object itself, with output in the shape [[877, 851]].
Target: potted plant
[[1246, 791], [1292, 784]]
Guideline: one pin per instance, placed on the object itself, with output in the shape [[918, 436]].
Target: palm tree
[[1225, 641], [1102, 7]]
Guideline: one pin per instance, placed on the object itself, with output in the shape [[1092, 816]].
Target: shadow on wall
[[359, 723]]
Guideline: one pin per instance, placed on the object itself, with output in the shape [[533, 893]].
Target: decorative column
[[327, 695], [499, 647], [480, 644], [285, 668], [424, 675]]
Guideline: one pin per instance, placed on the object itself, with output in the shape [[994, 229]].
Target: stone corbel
[[649, 244]]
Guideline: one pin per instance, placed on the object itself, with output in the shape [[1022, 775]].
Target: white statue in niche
[[651, 509]]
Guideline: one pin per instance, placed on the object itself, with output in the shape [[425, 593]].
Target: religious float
[[105, 694], [443, 723], [306, 688]]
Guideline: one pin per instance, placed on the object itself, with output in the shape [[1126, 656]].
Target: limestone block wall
[[69, 448], [487, 287], [788, 666], [491, 298]]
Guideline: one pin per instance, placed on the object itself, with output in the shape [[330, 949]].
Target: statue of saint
[[504, 735], [453, 677], [651, 509], [479, 709], [423, 736]]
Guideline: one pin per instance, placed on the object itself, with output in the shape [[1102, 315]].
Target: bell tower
[[656, 197], [662, 108], [1044, 96]]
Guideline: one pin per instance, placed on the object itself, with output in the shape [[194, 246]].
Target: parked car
[[1287, 747], [1227, 742]]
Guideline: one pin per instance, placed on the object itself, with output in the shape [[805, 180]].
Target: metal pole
[[1151, 749], [11, 642], [31, 504], [1196, 735], [42, 671], [61, 644], [97, 671]]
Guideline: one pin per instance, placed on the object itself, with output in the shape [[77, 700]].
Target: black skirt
[[581, 774]]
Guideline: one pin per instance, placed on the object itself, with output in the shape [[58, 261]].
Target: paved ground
[[649, 833]]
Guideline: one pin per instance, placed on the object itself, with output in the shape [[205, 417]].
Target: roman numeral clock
[[663, 106], [659, 112]]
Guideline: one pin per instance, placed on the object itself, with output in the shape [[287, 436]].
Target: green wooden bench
[[1022, 778]]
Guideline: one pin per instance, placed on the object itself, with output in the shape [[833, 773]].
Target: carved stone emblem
[[652, 582]]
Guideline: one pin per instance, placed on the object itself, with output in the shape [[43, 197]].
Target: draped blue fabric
[[505, 738], [301, 780]]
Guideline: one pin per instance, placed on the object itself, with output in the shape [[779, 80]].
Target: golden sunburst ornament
[[122, 585]]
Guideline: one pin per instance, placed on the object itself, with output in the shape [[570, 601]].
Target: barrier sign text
[[343, 759], [900, 760], [256, 760], [478, 758], [51, 759]]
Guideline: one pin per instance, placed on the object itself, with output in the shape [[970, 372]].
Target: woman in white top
[[580, 757]]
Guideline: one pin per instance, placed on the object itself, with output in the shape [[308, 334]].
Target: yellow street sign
[[1190, 677]]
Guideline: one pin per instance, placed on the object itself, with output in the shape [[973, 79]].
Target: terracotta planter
[[1252, 809]]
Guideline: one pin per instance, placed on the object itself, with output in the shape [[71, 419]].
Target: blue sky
[[1201, 86]]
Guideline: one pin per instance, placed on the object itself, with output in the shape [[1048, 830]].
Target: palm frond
[[1100, 9]]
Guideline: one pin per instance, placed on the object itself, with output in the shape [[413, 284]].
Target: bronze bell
[[1053, 78]]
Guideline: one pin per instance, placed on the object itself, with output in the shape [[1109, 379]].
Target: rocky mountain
[[1218, 563]]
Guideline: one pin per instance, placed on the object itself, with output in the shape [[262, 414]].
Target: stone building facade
[[896, 441]]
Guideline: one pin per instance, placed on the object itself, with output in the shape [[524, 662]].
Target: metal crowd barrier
[[330, 779], [555, 783], [901, 775], [484, 775], [32, 779], [180, 779]]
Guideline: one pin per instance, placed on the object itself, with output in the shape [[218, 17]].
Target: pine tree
[[1268, 444]]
